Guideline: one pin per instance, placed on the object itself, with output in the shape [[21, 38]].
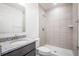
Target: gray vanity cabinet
[[28, 50], [32, 53]]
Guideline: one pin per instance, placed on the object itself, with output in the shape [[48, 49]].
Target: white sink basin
[[18, 42], [14, 41]]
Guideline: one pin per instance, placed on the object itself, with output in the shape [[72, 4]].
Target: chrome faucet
[[14, 37]]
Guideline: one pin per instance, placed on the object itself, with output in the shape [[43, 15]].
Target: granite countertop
[[15, 44]]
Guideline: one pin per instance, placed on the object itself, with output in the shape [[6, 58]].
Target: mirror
[[11, 19]]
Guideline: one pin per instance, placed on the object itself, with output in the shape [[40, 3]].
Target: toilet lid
[[44, 49]]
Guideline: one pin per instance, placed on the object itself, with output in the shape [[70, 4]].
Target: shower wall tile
[[42, 24], [58, 31]]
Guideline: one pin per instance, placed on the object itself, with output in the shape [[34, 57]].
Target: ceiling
[[48, 6]]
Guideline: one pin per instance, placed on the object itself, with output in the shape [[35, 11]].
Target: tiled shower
[[57, 25]]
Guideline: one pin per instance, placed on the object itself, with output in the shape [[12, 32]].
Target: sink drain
[[55, 51]]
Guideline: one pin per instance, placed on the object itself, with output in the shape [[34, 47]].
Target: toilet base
[[43, 51]]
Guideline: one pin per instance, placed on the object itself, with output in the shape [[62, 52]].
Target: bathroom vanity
[[19, 48], [27, 50]]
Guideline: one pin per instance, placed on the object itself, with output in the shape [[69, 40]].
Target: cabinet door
[[32, 53]]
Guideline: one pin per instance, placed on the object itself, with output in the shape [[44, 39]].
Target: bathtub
[[57, 51]]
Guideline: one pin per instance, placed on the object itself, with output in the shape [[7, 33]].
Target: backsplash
[[8, 37], [18, 37], [5, 39]]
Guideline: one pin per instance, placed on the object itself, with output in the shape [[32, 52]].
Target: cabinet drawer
[[21, 51]]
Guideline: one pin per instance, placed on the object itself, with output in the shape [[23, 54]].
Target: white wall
[[78, 29], [32, 20], [58, 31]]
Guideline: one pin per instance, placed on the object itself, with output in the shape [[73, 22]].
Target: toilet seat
[[44, 51]]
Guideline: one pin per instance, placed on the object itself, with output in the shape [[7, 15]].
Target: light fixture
[[54, 3], [23, 4]]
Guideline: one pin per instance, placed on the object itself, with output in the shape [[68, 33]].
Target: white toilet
[[43, 51]]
